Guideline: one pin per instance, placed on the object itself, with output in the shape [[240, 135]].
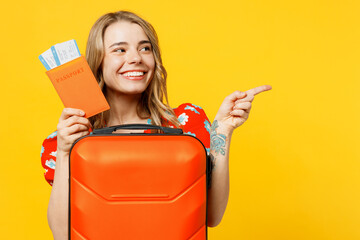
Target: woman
[[124, 55]]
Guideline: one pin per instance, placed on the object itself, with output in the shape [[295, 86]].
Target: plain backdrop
[[294, 165]]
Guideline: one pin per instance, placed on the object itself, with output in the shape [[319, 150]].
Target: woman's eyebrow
[[144, 41], [118, 43], [125, 43]]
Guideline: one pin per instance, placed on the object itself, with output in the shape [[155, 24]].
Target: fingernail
[[82, 113]]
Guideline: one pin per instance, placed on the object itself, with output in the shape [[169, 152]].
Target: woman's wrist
[[221, 128], [62, 156]]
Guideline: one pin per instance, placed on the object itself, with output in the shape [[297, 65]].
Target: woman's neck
[[123, 109]]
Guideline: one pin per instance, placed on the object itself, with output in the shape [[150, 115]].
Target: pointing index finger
[[257, 90]]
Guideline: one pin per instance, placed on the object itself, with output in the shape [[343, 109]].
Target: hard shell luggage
[[138, 185]]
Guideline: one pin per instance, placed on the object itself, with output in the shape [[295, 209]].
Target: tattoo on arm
[[217, 141]]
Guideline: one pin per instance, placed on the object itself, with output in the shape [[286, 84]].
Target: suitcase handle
[[109, 130]]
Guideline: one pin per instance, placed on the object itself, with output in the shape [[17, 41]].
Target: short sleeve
[[195, 122], [48, 156]]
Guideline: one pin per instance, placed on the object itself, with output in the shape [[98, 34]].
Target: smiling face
[[128, 64]]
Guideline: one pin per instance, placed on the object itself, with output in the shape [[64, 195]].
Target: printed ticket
[[65, 52], [48, 60], [59, 54]]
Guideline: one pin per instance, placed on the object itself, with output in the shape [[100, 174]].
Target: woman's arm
[[233, 112], [218, 194], [57, 213], [72, 125]]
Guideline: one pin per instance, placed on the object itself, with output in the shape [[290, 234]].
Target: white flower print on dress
[[42, 151], [196, 106], [192, 109], [50, 163], [207, 125], [190, 133], [183, 118], [54, 134]]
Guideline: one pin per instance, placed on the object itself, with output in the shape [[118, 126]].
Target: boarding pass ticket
[[59, 54]]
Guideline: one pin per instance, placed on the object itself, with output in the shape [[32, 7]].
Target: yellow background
[[294, 165]]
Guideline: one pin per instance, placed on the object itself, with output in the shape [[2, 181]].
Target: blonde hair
[[151, 101]]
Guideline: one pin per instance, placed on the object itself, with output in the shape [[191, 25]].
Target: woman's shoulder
[[191, 115], [48, 156], [49, 143], [188, 107], [195, 122]]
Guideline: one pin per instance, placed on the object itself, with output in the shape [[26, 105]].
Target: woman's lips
[[134, 77]]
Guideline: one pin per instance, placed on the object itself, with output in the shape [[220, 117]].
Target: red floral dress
[[192, 118]]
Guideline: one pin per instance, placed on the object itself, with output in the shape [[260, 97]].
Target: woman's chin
[[133, 91]]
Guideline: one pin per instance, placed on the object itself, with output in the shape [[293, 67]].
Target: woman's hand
[[72, 125], [235, 109]]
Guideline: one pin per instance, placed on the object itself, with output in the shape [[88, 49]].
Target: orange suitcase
[[138, 185]]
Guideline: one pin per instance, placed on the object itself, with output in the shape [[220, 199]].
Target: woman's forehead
[[124, 31]]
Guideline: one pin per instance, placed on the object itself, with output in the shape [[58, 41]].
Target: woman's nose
[[133, 57]]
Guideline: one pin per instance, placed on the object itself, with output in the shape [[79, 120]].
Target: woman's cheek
[[149, 60]]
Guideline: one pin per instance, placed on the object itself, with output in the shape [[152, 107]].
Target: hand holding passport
[[73, 79]]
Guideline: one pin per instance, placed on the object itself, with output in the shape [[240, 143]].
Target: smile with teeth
[[133, 74]]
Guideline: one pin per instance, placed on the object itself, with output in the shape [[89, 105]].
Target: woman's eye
[[119, 50], [145, 48]]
